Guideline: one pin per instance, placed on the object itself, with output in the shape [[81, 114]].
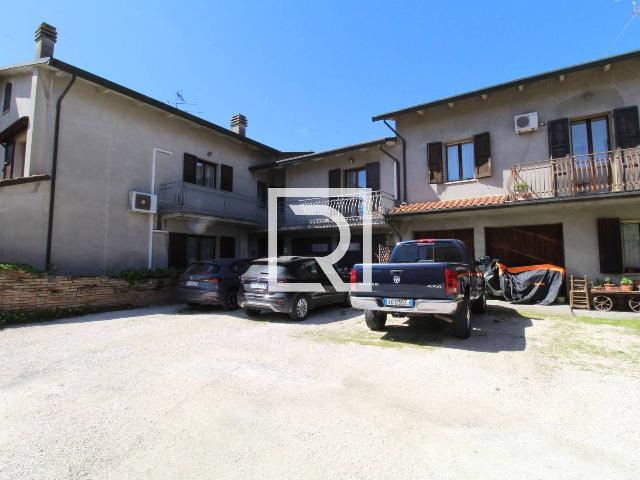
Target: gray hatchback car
[[213, 282]]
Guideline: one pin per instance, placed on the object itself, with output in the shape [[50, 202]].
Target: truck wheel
[[479, 305], [462, 319], [375, 320], [299, 309]]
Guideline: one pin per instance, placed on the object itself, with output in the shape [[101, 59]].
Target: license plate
[[258, 286], [191, 283], [398, 302]]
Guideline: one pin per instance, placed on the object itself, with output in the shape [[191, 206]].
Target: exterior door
[[526, 245]]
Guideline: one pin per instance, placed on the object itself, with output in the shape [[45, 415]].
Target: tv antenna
[[635, 12], [181, 103]]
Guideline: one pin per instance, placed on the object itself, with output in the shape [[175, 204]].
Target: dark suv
[[213, 282], [255, 296]]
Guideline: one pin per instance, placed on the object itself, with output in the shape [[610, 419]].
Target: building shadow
[[500, 329]]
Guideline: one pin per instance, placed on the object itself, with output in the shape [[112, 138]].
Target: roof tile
[[422, 207]]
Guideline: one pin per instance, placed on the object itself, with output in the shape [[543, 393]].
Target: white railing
[[183, 197], [597, 173]]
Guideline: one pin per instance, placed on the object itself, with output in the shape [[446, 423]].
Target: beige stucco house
[[543, 169]]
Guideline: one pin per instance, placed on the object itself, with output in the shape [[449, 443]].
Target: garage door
[[463, 234], [526, 245]]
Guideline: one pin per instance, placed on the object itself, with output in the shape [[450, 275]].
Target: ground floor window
[[227, 247], [631, 246], [186, 249]]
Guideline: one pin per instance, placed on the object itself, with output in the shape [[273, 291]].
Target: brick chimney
[[239, 124], [46, 37]]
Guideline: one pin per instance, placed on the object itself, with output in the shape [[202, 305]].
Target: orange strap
[[543, 266]]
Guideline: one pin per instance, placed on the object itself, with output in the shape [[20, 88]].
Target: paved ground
[[154, 394]]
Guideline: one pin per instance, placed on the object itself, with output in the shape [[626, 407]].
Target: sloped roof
[[455, 204]]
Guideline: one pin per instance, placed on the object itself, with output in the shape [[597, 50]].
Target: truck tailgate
[[408, 280]]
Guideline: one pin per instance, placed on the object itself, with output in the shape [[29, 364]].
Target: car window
[[262, 268], [309, 269], [203, 268], [447, 253], [412, 252]]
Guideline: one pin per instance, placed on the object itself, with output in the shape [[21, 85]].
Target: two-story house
[[544, 169]]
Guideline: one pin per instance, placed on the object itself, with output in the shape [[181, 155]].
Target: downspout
[[404, 161], [396, 177], [54, 169]]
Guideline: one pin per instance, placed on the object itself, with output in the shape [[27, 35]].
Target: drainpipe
[[404, 160], [153, 192], [54, 170], [396, 177]]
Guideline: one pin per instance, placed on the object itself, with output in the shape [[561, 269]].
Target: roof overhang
[[604, 63], [324, 154], [14, 129]]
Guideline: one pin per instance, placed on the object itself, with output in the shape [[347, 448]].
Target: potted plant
[[608, 284], [521, 190], [626, 284], [597, 284]]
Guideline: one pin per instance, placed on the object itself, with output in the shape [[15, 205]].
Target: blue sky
[[311, 74]]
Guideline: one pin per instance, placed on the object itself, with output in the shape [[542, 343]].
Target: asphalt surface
[[207, 394]]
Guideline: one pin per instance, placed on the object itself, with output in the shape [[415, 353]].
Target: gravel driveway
[[155, 394]]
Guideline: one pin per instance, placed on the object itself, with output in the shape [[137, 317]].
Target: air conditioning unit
[[526, 123], [143, 202]]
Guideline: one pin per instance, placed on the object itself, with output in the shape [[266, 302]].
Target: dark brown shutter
[[226, 178], [263, 193], [227, 247], [177, 250], [189, 168], [6, 102], [334, 178], [482, 154], [627, 127], [610, 245], [373, 176], [559, 140], [434, 161]]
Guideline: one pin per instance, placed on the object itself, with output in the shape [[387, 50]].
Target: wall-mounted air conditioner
[[143, 202], [526, 123]]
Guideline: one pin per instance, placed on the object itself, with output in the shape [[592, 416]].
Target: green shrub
[[138, 274], [35, 316], [19, 267], [626, 281]]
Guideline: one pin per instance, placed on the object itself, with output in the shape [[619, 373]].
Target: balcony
[[352, 207], [616, 171], [188, 199]]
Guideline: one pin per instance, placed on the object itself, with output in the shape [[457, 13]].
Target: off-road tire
[[252, 312], [299, 308], [479, 305], [462, 319], [375, 320]]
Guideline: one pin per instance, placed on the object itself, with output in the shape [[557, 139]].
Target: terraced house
[[98, 177]]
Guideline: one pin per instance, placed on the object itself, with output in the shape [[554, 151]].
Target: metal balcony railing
[[187, 198], [578, 175], [352, 207]]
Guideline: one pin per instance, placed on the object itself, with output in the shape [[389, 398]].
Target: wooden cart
[[583, 295]]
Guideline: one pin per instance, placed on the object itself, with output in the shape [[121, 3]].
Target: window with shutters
[[460, 161], [355, 178], [206, 174], [589, 136], [631, 246], [6, 101]]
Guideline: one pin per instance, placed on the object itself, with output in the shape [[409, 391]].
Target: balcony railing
[[579, 175], [187, 198], [352, 207]]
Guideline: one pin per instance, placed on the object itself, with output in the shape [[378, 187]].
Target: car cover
[[537, 284]]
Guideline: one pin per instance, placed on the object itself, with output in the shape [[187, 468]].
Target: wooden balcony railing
[[597, 173]]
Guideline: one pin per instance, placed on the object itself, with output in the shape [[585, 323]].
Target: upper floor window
[[356, 178], [460, 161], [590, 136], [206, 174], [6, 102]]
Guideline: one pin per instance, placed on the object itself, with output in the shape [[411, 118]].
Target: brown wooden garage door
[[526, 245], [463, 234]]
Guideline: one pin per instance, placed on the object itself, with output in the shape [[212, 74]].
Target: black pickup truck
[[424, 277]]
